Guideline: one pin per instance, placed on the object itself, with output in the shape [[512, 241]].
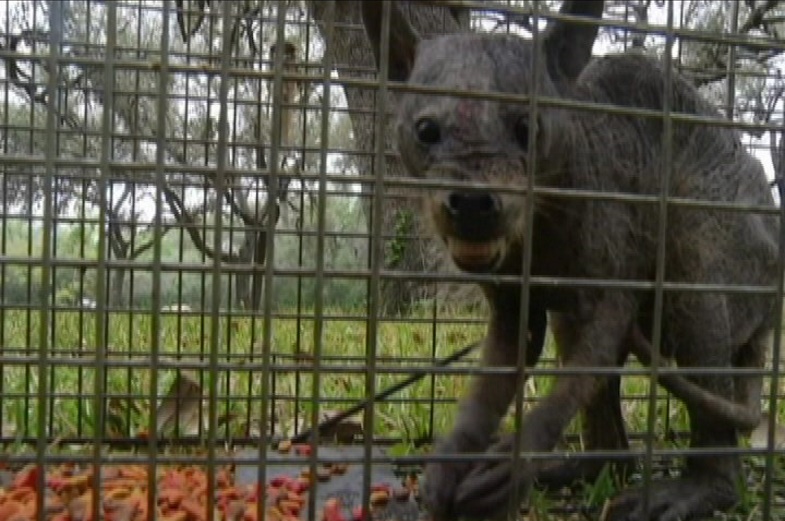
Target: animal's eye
[[428, 131], [522, 132]]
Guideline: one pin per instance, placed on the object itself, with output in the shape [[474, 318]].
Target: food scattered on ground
[[379, 498], [323, 474], [338, 468], [402, 494], [182, 493], [301, 449], [332, 510]]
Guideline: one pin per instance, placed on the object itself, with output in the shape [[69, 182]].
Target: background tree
[[192, 133]]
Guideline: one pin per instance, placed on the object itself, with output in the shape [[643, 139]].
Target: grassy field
[[132, 387]]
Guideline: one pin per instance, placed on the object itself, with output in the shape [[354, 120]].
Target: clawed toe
[[676, 500]]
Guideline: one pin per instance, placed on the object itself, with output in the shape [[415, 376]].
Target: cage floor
[[182, 492]]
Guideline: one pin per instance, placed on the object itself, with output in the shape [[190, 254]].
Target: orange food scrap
[[251, 513], [9, 509], [194, 509], [227, 494], [171, 497], [177, 515], [181, 494], [81, 508], [299, 485], [224, 478], [136, 472], [21, 494], [235, 510], [124, 484], [289, 507], [379, 497]]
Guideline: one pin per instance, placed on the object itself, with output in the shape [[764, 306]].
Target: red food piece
[[9, 509], [289, 507], [280, 481], [27, 477], [173, 479], [382, 487], [56, 483], [358, 513], [332, 510], [298, 486], [302, 449]]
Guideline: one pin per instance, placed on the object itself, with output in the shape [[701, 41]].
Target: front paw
[[441, 478], [674, 500], [489, 488]]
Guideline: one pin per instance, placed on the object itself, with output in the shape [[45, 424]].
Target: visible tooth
[[474, 251], [470, 249]]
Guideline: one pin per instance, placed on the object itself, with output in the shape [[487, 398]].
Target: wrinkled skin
[[471, 140]]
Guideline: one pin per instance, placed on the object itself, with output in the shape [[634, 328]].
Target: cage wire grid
[[208, 246]]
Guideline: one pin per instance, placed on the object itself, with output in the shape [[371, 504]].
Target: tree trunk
[[249, 286], [257, 278], [118, 250], [116, 293], [407, 247], [242, 288]]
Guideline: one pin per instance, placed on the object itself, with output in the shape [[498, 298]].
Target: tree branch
[[191, 227], [755, 20]]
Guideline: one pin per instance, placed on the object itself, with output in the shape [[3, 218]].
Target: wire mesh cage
[[223, 298]]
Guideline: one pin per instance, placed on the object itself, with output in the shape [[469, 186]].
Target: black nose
[[474, 215], [476, 203]]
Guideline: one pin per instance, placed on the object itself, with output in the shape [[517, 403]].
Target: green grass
[[132, 393], [72, 366]]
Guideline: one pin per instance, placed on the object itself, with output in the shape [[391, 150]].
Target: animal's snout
[[475, 216], [477, 204]]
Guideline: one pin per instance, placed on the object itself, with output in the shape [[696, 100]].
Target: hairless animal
[[470, 140]]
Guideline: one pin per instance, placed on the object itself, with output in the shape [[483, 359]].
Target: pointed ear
[[403, 38], [567, 45]]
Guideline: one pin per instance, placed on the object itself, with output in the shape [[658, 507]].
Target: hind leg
[[752, 356], [602, 428], [708, 483]]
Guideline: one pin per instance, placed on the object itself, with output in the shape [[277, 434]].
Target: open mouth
[[476, 256]]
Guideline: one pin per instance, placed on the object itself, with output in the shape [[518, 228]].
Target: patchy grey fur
[[581, 150]]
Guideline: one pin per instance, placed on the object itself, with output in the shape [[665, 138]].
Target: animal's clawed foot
[[441, 480], [473, 490], [674, 500], [489, 488]]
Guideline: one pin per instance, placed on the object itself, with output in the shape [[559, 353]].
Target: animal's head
[[471, 140]]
